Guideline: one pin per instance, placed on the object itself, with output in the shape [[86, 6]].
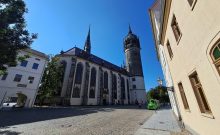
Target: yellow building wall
[[200, 28]]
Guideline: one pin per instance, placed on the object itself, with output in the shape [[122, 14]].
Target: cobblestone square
[[109, 120]]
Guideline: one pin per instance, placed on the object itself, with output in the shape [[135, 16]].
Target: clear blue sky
[[62, 24]]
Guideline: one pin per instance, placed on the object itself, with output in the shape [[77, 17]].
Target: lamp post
[[160, 83]]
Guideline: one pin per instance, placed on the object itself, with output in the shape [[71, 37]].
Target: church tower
[[87, 46], [134, 66]]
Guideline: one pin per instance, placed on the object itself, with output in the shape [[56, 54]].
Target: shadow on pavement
[[165, 107], [8, 132], [21, 116]]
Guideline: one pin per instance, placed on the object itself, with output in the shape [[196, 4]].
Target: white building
[[90, 80], [24, 78], [156, 14]]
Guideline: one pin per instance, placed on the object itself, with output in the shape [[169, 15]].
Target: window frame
[[183, 96], [17, 78], [93, 77], [78, 78], [31, 79], [216, 62], [198, 91], [169, 49], [123, 96], [173, 22], [22, 62], [105, 80], [33, 66]]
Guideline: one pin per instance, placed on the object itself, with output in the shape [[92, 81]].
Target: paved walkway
[[76, 120], [162, 122]]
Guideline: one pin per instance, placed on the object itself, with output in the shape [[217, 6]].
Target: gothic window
[[114, 86], [215, 54], [78, 81], [175, 28], [76, 91], [79, 72], [92, 83], [199, 93], [122, 88], [128, 89], [106, 80]]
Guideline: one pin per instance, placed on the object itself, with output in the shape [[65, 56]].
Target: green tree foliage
[[21, 99], [160, 93], [51, 81], [13, 33]]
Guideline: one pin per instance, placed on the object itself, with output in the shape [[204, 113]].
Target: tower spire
[[130, 31], [87, 46]]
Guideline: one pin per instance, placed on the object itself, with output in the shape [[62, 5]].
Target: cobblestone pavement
[[121, 120]]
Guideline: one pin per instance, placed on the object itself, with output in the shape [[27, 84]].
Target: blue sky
[[63, 24]]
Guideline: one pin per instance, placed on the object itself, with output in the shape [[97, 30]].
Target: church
[[91, 80]]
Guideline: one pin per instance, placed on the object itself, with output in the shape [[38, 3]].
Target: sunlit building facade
[[156, 16], [189, 36], [90, 80], [24, 78]]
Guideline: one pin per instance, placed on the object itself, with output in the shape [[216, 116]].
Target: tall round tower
[[132, 53], [134, 67]]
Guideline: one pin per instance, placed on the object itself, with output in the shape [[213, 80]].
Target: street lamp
[[160, 83]]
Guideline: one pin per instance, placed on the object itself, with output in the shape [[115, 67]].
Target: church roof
[[75, 51]]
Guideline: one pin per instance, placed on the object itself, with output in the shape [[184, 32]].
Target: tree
[[13, 33], [50, 84], [159, 93]]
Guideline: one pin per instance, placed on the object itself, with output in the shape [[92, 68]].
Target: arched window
[[92, 83], [78, 81], [215, 53], [106, 80], [122, 88], [128, 89], [114, 86]]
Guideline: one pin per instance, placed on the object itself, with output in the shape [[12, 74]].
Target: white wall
[[139, 93], [10, 86], [168, 80], [92, 101]]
